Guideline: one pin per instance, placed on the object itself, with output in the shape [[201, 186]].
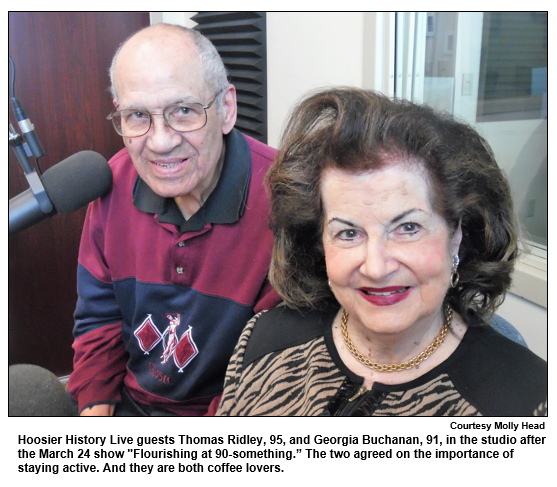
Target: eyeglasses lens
[[182, 118]]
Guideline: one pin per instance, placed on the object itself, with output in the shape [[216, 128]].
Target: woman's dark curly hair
[[358, 130]]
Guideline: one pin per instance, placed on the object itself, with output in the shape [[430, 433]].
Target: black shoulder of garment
[[281, 328], [498, 376]]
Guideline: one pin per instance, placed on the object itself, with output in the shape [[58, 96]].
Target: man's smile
[[168, 166]]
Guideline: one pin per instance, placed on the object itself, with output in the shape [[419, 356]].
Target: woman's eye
[[409, 228], [349, 234]]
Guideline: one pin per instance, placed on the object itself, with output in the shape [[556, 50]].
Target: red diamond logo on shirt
[[148, 335], [185, 351]]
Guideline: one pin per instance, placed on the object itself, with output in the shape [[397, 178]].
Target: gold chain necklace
[[413, 362]]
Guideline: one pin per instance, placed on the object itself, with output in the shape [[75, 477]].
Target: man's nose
[[162, 138]]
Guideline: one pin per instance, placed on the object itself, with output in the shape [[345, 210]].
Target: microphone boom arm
[[18, 144]]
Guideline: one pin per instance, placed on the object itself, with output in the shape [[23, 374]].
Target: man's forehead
[[161, 46], [171, 68]]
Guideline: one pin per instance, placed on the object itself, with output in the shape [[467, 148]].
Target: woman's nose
[[378, 260]]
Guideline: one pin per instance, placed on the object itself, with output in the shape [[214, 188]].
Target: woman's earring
[[329, 283], [454, 274]]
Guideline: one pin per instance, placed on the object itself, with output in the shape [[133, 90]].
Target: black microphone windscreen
[[34, 391], [77, 180]]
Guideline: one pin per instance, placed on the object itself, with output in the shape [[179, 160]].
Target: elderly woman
[[395, 240]]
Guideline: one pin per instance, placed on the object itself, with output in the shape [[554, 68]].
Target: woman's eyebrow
[[340, 220], [403, 215], [393, 220]]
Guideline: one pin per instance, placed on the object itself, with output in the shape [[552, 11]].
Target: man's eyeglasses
[[183, 117]]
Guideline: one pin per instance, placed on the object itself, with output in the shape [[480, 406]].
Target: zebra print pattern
[[436, 398], [296, 382], [305, 381]]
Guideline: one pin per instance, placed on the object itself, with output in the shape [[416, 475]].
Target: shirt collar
[[225, 204]]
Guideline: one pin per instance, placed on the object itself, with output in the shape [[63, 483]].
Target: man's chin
[[170, 187]]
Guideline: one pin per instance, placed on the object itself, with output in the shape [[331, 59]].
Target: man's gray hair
[[214, 71]]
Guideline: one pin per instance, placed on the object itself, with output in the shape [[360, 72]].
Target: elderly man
[[173, 261]]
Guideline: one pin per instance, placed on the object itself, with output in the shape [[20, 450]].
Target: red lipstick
[[385, 296]]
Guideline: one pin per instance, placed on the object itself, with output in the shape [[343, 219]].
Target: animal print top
[[286, 364]]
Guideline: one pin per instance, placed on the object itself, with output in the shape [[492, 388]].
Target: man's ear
[[230, 109], [115, 103]]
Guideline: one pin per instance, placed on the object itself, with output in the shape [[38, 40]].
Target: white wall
[[308, 50], [179, 18]]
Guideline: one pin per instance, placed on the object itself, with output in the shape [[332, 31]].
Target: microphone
[[34, 391], [69, 185]]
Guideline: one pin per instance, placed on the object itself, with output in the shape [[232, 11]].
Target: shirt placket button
[[179, 269]]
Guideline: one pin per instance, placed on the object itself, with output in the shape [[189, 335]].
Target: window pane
[[513, 67], [489, 69]]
